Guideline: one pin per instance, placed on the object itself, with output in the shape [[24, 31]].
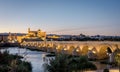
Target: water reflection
[[35, 57]]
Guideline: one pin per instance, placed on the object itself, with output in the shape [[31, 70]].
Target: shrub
[[12, 63], [66, 63], [106, 70]]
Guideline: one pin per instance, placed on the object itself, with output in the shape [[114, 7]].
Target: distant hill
[[18, 34]]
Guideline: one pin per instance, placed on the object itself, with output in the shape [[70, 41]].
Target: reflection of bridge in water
[[98, 48]]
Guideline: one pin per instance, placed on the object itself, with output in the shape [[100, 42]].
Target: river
[[35, 57]]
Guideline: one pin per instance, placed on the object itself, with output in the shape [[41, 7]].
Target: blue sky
[[90, 17]]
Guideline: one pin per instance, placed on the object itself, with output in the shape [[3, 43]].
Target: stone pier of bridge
[[97, 48]]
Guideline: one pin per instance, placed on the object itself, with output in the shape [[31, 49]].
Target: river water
[[35, 57]]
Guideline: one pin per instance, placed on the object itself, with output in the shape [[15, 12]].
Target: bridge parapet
[[74, 47]]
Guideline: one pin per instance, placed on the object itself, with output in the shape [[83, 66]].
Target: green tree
[[59, 64], [67, 63], [78, 64], [13, 63], [117, 58]]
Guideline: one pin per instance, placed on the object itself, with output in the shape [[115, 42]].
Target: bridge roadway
[[98, 48]]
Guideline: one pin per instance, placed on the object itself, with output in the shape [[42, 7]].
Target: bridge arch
[[85, 49], [103, 50], [70, 49], [77, 51], [57, 48]]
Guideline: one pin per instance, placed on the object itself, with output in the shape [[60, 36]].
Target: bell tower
[[28, 30]]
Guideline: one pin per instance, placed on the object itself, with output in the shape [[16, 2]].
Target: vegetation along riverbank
[[13, 63]]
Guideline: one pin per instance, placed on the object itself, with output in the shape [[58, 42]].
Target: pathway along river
[[35, 57]]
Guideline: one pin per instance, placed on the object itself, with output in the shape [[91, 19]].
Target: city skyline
[[90, 17]]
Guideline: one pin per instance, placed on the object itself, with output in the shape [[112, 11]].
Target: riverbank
[[37, 59], [34, 57], [13, 63], [7, 44]]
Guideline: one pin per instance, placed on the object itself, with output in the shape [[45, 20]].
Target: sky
[[90, 17]]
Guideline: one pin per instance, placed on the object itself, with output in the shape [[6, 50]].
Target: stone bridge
[[97, 48]]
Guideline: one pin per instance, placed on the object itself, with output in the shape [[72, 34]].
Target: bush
[[66, 63], [13, 63], [106, 70]]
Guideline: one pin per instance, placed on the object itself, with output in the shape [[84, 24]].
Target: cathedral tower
[[28, 30]]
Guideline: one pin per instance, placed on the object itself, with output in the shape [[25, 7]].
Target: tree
[[59, 64], [67, 63], [117, 58]]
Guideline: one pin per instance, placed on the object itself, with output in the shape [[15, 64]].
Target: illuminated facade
[[53, 37], [12, 37], [3, 38], [33, 35], [38, 33]]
